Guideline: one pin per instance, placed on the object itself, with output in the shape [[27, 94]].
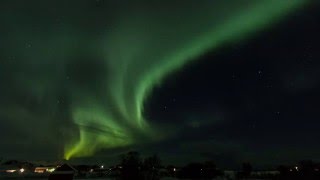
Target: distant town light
[[21, 170], [297, 168], [174, 169], [51, 169], [11, 171], [44, 169], [102, 166]]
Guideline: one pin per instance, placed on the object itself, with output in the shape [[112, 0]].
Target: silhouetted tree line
[[206, 170], [304, 170], [245, 171], [132, 166]]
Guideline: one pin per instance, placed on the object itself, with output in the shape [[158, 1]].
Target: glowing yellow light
[[51, 169], [21, 170], [11, 171]]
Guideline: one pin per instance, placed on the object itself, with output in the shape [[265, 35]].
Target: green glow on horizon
[[142, 51]]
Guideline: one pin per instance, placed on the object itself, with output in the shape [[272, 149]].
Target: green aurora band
[[141, 46], [139, 68]]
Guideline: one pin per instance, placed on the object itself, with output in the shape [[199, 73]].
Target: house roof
[[66, 167]]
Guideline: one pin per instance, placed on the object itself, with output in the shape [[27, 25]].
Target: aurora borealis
[[84, 70]]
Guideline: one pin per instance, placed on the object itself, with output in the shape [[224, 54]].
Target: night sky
[[231, 82]]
